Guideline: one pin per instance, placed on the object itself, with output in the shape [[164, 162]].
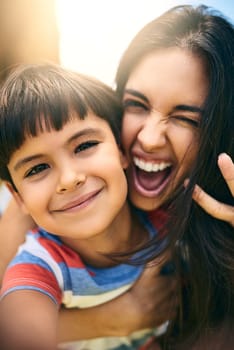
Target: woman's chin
[[143, 202]]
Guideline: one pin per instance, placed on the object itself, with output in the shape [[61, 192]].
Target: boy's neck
[[123, 235]]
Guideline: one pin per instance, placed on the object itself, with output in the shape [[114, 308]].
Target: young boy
[[61, 160]]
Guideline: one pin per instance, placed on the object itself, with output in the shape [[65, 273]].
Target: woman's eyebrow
[[188, 108], [136, 94], [182, 107]]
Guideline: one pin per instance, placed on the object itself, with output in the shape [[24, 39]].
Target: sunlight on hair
[[94, 34]]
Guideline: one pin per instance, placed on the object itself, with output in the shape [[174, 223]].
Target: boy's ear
[[123, 160], [17, 197]]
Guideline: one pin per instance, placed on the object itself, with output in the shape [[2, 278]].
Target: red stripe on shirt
[[21, 275], [62, 253]]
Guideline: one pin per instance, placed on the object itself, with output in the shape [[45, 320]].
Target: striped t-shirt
[[43, 263]]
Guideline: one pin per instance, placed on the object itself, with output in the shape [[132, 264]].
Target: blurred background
[[88, 36], [93, 34], [28, 32]]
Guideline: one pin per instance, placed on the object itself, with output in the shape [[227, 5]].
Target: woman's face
[[163, 101]]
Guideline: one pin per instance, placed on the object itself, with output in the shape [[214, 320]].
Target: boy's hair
[[45, 97]]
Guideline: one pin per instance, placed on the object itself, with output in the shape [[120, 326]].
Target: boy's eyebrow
[[25, 160], [84, 132], [183, 107]]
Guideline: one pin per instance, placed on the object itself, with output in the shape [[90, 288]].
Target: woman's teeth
[[149, 166]]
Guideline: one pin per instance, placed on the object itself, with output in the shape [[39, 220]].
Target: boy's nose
[[70, 180]]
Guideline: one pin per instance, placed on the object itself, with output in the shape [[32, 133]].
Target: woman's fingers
[[226, 167], [215, 208]]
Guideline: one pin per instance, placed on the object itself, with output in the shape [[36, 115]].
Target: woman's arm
[[13, 226], [29, 318], [215, 208], [149, 303]]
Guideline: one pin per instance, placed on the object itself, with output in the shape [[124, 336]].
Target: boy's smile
[[79, 202], [72, 180]]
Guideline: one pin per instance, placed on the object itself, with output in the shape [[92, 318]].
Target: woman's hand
[[153, 299], [13, 226], [215, 208]]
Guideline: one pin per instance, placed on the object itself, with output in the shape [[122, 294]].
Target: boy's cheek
[[17, 197]]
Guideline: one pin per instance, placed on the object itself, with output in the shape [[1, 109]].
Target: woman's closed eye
[[36, 169], [86, 146], [134, 106], [185, 120]]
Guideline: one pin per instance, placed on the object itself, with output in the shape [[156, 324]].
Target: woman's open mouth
[[150, 178]]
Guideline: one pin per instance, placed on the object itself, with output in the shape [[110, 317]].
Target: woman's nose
[[153, 133]]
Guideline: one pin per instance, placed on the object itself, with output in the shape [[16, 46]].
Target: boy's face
[[71, 181]]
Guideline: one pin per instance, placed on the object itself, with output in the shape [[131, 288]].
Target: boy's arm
[[28, 321], [149, 303]]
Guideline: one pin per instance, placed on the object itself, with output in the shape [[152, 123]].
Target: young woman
[[176, 82]]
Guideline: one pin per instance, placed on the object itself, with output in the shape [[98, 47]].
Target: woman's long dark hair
[[209, 242]]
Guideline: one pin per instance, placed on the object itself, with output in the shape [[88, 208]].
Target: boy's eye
[[86, 145], [186, 120], [37, 169], [134, 106]]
